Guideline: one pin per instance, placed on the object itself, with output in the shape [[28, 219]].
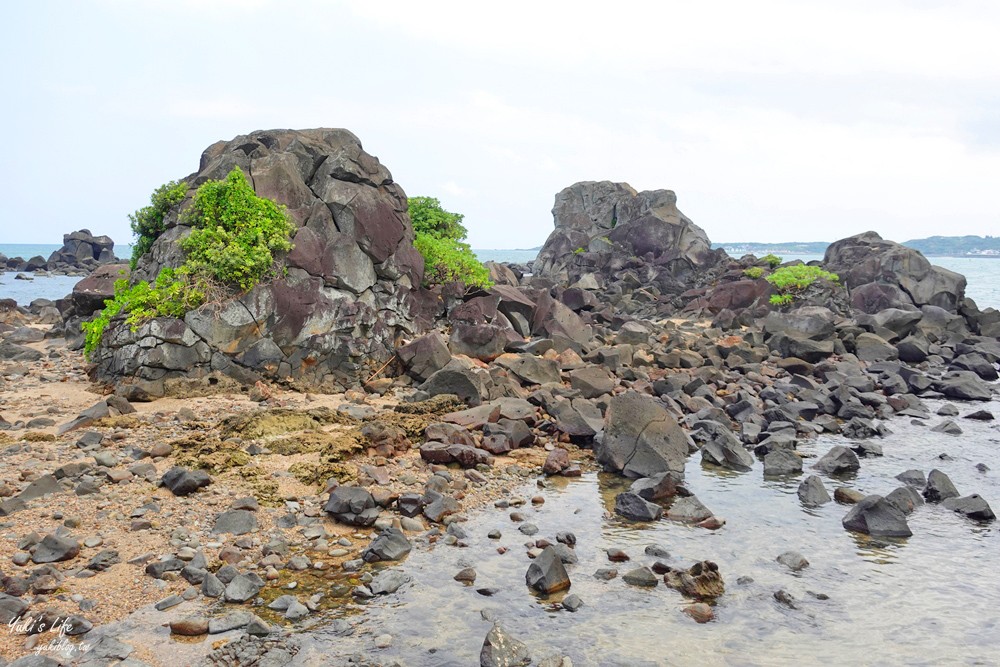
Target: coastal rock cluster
[[81, 253], [343, 296]]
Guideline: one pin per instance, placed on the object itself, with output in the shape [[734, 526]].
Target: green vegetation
[[754, 272], [232, 246], [579, 251], [236, 233], [440, 238], [791, 280], [781, 299], [147, 222], [772, 260]]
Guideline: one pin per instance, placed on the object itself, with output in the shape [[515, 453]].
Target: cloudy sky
[[772, 120]]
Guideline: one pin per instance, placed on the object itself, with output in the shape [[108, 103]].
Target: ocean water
[[983, 274]]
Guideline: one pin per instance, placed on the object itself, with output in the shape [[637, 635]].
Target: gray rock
[[974, 507], [634, 507], [233, 621], [390, 545], [905, 499], [211, 586], [939, 487], [11, 607], [948, 427], [546, 573], [182, 482], [837, 461], [688, 510], [235, 522], [641, 438], [500, 649], [782, 462], [657, 487], [352, 505], [793, 560], [243, 587], [873, 515], [812, 493], [424, 356], [726, 452], [387, 582], [641, 576], [53, 549]]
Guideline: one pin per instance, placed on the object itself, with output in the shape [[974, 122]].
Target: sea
[[982, 273]]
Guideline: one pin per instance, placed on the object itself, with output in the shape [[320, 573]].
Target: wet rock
[[641, 438], [905, 499], [793, 560], [390, 545], [914, 478], [847, 496], [235, 522], [438, 506], [875, 516], [546, 573], [54, 549], [785, 598], [688, 510], [812, 492], [641, 576], [233, 621], [191, 626], [974, 507], [964, 385], [572, 602], [635, 508], [837, 461], [387, 582], [183, 482], [352, 505], [500, 649], [980, 415], [700, 612], [466, 575], [939, 487], [948, 427], [701, 580], [606, 573], [556, 461], [782, 462], [657, 487], [726, 452]]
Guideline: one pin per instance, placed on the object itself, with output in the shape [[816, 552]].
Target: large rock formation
[[883, 274], [82, 250], [608, 233], [345, 299]]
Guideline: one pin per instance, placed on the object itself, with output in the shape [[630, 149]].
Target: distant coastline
[[933, 246]]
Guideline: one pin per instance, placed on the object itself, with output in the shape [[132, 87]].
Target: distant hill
[[741, 248], [935, 246], [957, 246]]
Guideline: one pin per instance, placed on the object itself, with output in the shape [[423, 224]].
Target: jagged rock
[[53, 549], [867, 258], [875, 516], [939, 487], [529, 368], [812, 492], [701, 581], [500, 649], [727, 452], [688, 510], [641, 438], [657, 487], [964, 385], [424, 356], [391, 544], [343, 296], [592, 381], [782, 462], [634, 507], [546, 573], [243, 587], [11, 607], [388, 582], [352, 505], [837, 461], [183, 482], [905, 499], [974, 507]]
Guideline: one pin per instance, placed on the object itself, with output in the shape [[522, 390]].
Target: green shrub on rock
[[147, 222], [440, 238], [792, 280], [753, 272], [772, 260], [232, 246]]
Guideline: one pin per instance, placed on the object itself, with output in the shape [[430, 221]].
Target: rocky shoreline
[[254, 469]]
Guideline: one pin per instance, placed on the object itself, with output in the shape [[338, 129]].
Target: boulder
[[868, 258], [391, 544], [500, 649], [53, 549], [726, 452], [974, 507], [812, 493], [837, 461], [641, 438], [875, 516], [546, 573], [939, 487], [658, 487], [592, 381], [183, 482], [352, 505], [424, 356], [343, 296], [635, 508]]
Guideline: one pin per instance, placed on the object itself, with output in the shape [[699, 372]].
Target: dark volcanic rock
[[838, 460], [939, 487], [500, 649], [873, 515], [974, 507], [641, 438], [812, 492], [632, 506], [348, 293], [546, 573], [183, 482], [53, 549], [352, 505], [391, 544]]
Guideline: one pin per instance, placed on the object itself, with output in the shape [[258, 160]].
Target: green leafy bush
[[772, 260], [235, 237], [440, 238], [236, 233], [171, 295], [781, 299], [754, 272], [798, 277], [147, 222]]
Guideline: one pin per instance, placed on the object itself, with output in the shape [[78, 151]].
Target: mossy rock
[[279, 421], [315, 474], [121, 421], [38, 436], [207, 452], [264, 488]]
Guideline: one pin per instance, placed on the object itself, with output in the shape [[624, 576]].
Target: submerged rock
[[875, 516], [939, 487], [500, 649], [974, 507], [546, 573], [634, 507], [701, 581], [812, 492]]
